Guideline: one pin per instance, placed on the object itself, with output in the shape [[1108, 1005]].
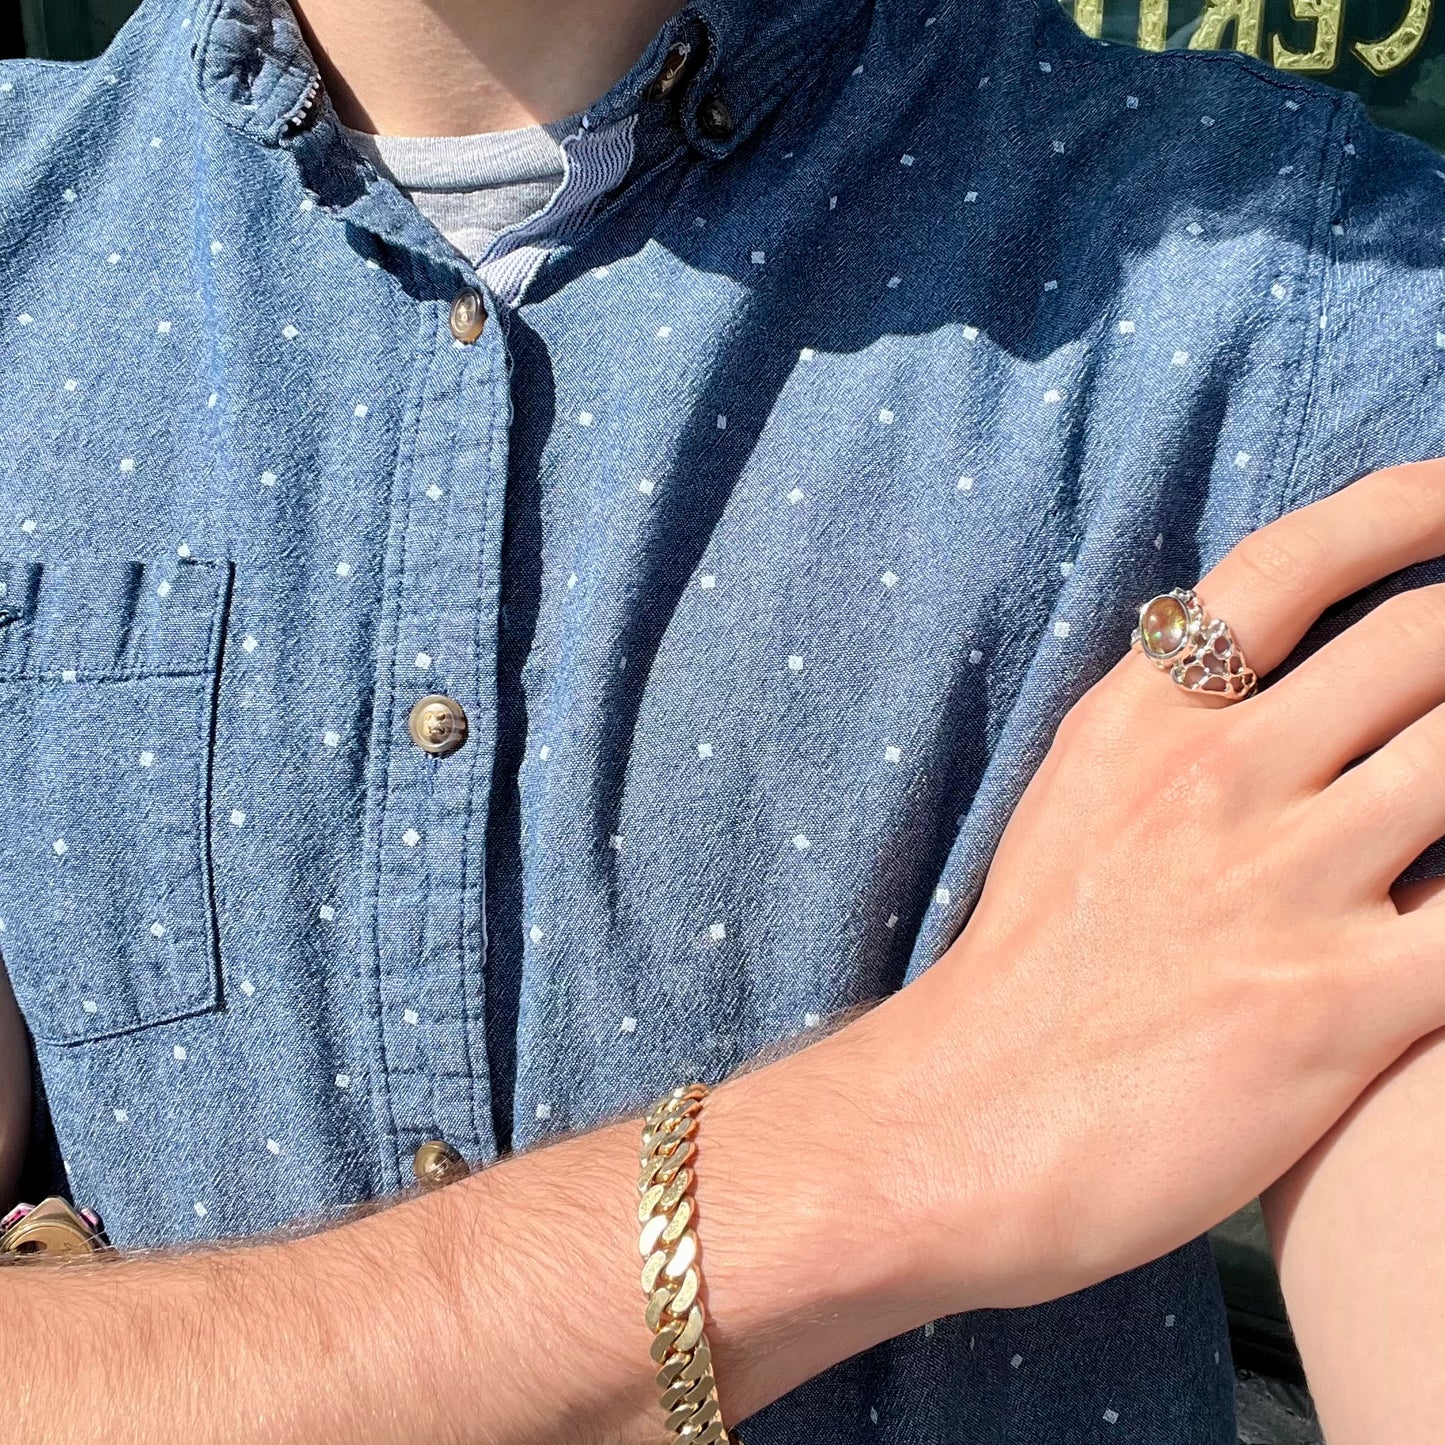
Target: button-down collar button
[[437, 724], [469, 315], [436, 1163], [714, 118], [672, 67]]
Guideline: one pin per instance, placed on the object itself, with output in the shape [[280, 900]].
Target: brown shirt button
[[672, 68], [436, 1163], [437, 724], [469, 315], [714, 119]]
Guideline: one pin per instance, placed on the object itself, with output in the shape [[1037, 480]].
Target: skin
[[1356, 1234], [1082, 1082], [459, 67], [1357, 1231]]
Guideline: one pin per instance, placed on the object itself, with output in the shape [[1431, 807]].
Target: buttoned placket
[[435, 706], [435, 712], [428, 806], [428, 803], [430, 809], [420, 996]]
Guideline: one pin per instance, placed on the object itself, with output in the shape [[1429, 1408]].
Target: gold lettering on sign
[[1395, 50], [1246, 16], [1326, 14], [1153, 24], [1089, 17]]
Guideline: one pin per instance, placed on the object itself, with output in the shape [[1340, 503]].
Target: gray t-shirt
[[472, 186]]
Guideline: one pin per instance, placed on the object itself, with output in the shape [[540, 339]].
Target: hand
[[1186, 962]]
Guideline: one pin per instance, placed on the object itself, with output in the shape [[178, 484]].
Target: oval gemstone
[[1163, 626]]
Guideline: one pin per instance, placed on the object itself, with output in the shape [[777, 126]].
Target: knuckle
[[1228, 764], [1413, 493], [1077, 731], [1422, 756], [1414, 618], [1328, 1008], [1306, 1000], [1105, 722], [1396, 774], [1195, 791], [1092, 715], [1280, 554], [1373, 809], [1233, 747]]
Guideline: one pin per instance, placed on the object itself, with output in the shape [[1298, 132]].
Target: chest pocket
[[108, 677]]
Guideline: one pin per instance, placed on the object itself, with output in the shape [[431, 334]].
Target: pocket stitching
[[186, 994]]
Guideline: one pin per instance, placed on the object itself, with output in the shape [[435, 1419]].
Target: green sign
[[1390, 52], [71, 29]]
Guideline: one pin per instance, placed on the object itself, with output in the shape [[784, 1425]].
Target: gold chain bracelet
[[672, 1276]]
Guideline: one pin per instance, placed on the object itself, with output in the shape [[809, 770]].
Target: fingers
[[1275, 584], [1363, 687], [1391, 807], [1401, 973]]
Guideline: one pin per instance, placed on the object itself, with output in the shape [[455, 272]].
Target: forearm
[[1356, 1227], [505, 1307]]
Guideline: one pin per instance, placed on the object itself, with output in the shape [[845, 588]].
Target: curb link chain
[[671, 1276]]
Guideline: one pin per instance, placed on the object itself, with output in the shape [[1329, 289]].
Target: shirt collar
[[253, 70]]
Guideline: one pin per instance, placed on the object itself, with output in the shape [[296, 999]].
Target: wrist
[[814, 1245], [971, 1163]]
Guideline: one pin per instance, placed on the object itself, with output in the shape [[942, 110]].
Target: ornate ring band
[[1198, 651]]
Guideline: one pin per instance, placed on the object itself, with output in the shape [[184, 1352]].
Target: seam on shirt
[[211, 716], [1235, 60], [52, 678], [59, 68], [1329, 181], [527, 243], [383, 721], [603, 207], [482, 681], [1086, 53], [472, 882], [405, 476], [244, 116], [863, 16], [806, 56]]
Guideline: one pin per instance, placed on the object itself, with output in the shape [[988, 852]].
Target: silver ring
[[1198, 651]]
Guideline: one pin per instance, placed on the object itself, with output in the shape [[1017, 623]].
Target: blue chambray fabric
[[800, 480]]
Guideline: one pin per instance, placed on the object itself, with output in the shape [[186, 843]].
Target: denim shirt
[[818, 444]]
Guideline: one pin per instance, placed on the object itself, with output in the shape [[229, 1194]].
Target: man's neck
[[458, 67]]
